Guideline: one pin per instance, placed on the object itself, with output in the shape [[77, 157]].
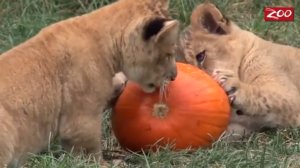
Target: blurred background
[[21, 19]]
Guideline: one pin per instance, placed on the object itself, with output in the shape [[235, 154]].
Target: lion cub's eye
[[200, 57]]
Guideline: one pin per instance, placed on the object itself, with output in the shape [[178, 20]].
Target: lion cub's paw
[[229, 81], [236, 132], [119, 83]]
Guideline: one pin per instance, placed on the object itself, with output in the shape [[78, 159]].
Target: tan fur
[[262, 78], [57, 83]]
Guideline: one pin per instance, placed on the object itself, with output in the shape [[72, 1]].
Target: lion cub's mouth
[[149, 88], [152, 87]]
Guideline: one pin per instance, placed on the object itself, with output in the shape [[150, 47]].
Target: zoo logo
[[285, 14]]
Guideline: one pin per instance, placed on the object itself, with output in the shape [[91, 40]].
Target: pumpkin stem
[[160, 110]]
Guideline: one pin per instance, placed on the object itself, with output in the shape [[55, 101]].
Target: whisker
[[163, 91]]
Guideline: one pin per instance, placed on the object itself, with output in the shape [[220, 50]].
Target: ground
[[21, 19]]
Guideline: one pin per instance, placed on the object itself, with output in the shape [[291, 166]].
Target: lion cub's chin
[[149, 88]]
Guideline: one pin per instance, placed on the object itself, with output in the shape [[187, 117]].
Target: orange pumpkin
[[194, 113]]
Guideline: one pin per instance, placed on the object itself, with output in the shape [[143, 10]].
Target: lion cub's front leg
[[274, 99], [80, 130], [81, 134], [119, 82], [231, 84]]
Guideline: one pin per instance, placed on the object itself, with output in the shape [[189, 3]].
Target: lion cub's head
[[149, 50], [211, 40]]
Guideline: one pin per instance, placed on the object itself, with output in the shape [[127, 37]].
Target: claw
[[231, 99], [215, 77], [222, 81]]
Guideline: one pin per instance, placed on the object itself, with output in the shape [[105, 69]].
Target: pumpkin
[[193, 114]]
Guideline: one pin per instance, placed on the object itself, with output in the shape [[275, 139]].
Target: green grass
[[21, 19]]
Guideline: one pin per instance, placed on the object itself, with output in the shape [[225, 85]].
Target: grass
[[21, 19]]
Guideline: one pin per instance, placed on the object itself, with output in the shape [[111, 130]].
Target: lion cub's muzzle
[[151, 87], [172, 74]]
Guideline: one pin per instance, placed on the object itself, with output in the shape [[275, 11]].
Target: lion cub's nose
[[173, 75]]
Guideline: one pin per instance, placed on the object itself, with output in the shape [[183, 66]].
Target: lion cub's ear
[[164, 4], [162, 31], [169, 32], [208, 18]]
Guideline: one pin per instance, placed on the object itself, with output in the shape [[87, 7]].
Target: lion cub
[[57, 83], [262, 78]]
